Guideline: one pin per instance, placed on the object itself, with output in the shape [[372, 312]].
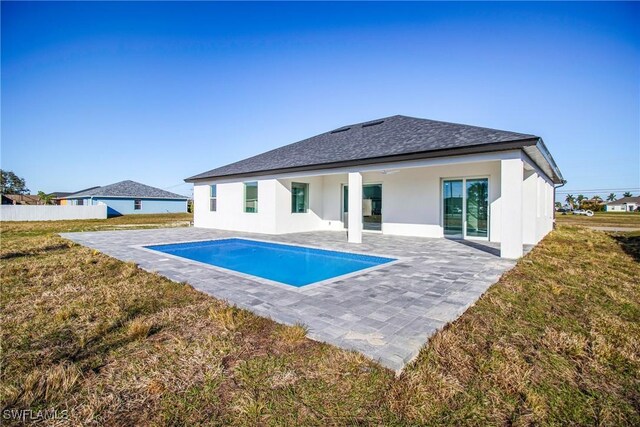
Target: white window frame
[[244, 196], [213, 200]]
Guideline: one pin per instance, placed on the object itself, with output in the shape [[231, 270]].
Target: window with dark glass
[[137, 204], [299, 197], [251, 197]]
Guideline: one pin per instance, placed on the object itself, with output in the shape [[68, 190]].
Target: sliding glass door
[[453, 207], [477, 207], [371, 206], [465, 205]]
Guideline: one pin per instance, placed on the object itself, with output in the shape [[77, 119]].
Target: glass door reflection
[[453, 206], [477, 207]]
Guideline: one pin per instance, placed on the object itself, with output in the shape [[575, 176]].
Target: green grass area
[[602, 219], [555, 341]]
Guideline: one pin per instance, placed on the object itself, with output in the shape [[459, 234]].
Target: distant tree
[[592, 204], [596, 199], [46, 199], [558, 205], [10, 183], [580, 198], [570, 200], [611, 197], [627, 194]]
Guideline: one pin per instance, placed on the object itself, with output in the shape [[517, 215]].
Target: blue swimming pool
[[292, 265]]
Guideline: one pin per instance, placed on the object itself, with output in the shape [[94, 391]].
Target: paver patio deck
[[387, 314]]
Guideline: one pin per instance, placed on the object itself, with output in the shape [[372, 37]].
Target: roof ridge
[[127, 188], [467, 125]]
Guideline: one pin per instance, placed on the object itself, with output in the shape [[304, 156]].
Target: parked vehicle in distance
[[583, 212], [564, 211]]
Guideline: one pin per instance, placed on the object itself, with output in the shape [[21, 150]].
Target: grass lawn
[[556, 341], [602, 219]]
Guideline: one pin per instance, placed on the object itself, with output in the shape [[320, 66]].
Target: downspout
[[564, 182]]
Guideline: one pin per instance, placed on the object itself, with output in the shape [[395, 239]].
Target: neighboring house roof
[[59, 194], [23, 199], [127, 189], [625, 200], [387, 139], [79, 192]]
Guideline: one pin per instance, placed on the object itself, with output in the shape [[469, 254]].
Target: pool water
[[292, 265]]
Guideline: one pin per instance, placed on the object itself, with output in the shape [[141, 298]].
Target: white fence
[[51, 212]]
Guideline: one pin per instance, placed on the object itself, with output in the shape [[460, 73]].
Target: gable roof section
[[624, 200], [376, 141], [81, 191], [125, 189]]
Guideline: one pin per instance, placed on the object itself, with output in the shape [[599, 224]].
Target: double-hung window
[[299, 197], [137, 204], [251, 197], [213, 198]]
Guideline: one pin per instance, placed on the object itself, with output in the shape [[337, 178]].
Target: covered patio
[[387, 314]]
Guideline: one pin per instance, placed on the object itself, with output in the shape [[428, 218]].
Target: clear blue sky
[[94, 93]]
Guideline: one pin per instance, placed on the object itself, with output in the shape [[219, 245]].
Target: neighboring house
[[60, 197], [20, 199], [626, 204], [130, 197], [398, 176]]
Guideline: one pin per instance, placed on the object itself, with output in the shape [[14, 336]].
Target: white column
[[530, 207], [511, 174], [355, 207]]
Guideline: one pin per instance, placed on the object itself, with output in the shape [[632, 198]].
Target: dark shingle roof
[[391, 136], [127, 189], [80, 191]]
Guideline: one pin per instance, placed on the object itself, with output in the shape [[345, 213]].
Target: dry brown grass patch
[[292, 335], [49, 384], [555, 342], [139, 329], [570, 344], [229, 317]]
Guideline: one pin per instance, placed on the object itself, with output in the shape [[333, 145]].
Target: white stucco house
[[398, 176], [626, 204]]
